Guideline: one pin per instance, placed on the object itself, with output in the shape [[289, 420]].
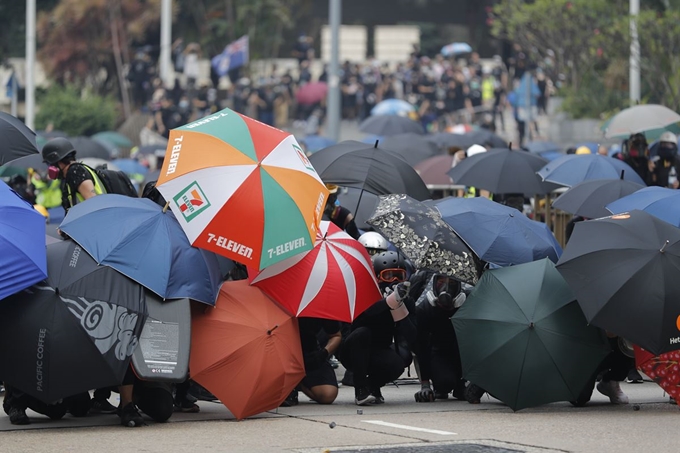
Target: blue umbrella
[[542, 147], [315, 143], [23, 260], [130, 166], [660, 202], [551, 155], [392, 107], [572, 169], [138, 238], [455, 48], [499, 234]]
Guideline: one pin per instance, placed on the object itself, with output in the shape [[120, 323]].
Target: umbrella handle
[[269, 332], [361, 194]]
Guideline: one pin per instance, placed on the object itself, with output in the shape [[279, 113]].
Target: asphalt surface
[[648, 423]]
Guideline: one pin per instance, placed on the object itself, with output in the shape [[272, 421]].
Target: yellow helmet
[[41, 209], [583, 150], [332, 188]]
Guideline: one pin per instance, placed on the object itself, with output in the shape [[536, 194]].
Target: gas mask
[[53, 172], [446, 293]]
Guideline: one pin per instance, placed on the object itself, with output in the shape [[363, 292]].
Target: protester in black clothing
[[16, 402], [613, 369], [340, 216], [635, 152], [380, 340], [77, 182], [437, 346], [666, 161], [319, 383]]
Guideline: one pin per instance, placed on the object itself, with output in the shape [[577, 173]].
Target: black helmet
[[388, 260], [56, 149], [389, 267]]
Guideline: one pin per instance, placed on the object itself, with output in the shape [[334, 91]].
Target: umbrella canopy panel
[[524, 339]]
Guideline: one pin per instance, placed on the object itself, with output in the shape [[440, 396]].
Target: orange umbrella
[[246, 350]]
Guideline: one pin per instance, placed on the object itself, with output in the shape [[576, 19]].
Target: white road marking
[[410, 428]]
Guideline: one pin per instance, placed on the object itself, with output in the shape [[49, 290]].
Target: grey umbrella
[[589, 198], [385, 125], [413, 148], [640, 118], [356, 164]]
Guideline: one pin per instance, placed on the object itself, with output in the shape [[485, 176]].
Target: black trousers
[[446, 369], [78, 405], [372, 366]]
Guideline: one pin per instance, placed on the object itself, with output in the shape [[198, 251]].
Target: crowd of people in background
[[445, 91]]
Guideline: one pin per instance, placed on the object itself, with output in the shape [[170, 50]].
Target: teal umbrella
[[524, 339]]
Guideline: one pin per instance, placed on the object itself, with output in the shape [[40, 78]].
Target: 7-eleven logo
[[303, 158], [191, 201]]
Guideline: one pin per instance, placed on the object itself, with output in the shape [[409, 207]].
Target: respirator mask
[[53, 172], [446, 293]]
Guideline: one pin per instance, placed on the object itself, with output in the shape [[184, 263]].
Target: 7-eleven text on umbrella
[[286, 247], [174, 155], [228, 244]]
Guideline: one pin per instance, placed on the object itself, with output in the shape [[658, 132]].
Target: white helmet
[[373, 242], [475, 149], [669, 137]]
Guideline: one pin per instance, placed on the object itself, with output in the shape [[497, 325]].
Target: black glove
[[425, 395]]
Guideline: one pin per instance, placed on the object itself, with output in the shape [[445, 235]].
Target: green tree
[[67, 110], [591, 40], [218, 22], [75, 38]]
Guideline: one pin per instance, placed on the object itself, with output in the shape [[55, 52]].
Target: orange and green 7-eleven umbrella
[[242, 189]]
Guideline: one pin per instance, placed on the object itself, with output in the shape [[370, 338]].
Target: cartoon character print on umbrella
[[107, 324], [435, 246]]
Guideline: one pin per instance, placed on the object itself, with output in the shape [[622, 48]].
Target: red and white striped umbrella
[[335, 280]]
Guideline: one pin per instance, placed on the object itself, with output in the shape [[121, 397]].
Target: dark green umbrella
[[524, 339]]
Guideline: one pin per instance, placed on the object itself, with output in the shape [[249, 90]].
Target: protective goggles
[[392, 275]]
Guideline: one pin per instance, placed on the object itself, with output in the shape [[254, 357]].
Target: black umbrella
[[502, 171], [624, 270], [34, 161], [16, 139], [73, 332], [485, 137], [420, 233], [413, 148], [589, 198], [87, 147], [361, 204], [385, 125], [356, 164], [445, 140]]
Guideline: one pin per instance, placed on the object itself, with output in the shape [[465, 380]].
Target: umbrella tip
[[167, 205], [509, 145], [376, 144], [531, 325], [269, 332], [664, 246], [622, 172]]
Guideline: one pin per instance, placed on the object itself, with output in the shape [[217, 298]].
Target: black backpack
[[115, 181]]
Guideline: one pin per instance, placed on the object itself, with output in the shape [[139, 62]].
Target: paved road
[[451, 426]]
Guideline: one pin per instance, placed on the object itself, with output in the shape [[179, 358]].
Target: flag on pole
[[234, 56]]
